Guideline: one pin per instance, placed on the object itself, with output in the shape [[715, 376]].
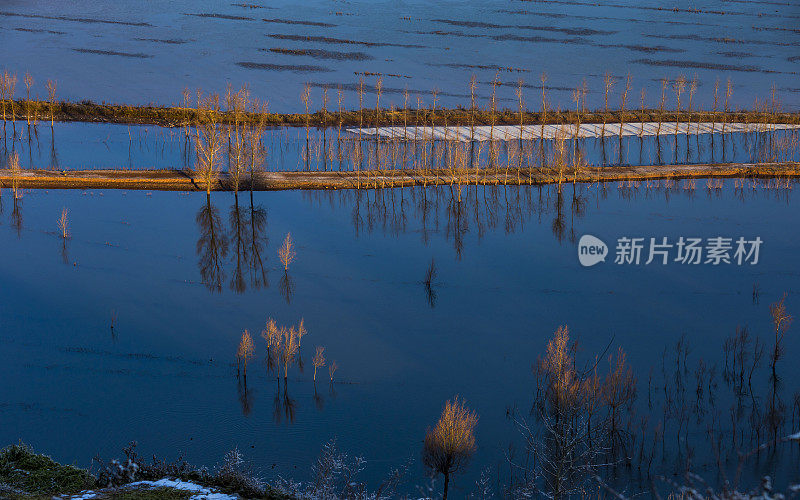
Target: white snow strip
[[83, 495], [567, 131], [200, 492]]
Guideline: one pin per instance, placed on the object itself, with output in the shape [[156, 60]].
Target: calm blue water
[[121, 52], [508, 273], [165, 376], [78, 146]]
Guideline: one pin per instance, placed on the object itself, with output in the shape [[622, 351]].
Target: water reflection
[[238, 231], [286, 287], [16, 213], [245, 237], [429, 282], [258, 242], [245, 396], [65, 259], [451, 212], [284, 406], [212, 246], [464, 209]]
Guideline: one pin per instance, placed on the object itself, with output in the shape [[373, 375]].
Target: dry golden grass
[[175, 180]]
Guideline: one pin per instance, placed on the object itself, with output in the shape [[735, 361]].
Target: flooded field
[[128, 330], [120, 52], [600, 338], [135, 147]]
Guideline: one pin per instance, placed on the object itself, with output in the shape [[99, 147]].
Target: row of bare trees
[[29, 111], [240, 139]]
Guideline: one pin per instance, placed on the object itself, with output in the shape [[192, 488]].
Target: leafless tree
[[288, 349], [208, 140], [63, 223], [781, 320], [286, 252], [51, 99], [319, 360], [449, 446], [332, 367], [244, 352]]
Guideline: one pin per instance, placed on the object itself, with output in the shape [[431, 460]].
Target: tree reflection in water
[[245, 237], [481, 208], [257, 243], [212, 246]]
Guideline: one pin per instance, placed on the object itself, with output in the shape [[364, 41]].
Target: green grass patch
[[22, 469]]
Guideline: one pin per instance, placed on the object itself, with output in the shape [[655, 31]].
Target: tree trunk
[[446, 485]]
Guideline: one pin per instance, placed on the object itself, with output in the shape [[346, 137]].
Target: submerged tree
[[16, 172], [272, 336], [449, 446], [332, 369], [51, 100], [319, 360], [63, 223], [286, 252], [244, 352], [288, 350], [781, 320]]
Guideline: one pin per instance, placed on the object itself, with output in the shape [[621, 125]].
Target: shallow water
[[78, 146], [180, 282], [120, 52], [507, 277]]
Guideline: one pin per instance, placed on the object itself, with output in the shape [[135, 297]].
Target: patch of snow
[[794, 437], [83, 495], [200, 492]]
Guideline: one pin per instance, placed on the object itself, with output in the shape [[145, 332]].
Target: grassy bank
[[180, 180], [165, 116], [26, 475]]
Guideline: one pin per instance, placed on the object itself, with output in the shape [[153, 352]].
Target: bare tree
[[13, 165], [301, 332], [28, 85], [288, 349], [306, 98], [781, 320], [237, 135], [286, 252], [449, 446], [245, 352], [332, 369], [51, 99], [319, 360], [272, 336], [208, 140], [63, 223]]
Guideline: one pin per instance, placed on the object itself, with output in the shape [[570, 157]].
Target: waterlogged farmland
[[507, 277], [402, 240], [120, 52]]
